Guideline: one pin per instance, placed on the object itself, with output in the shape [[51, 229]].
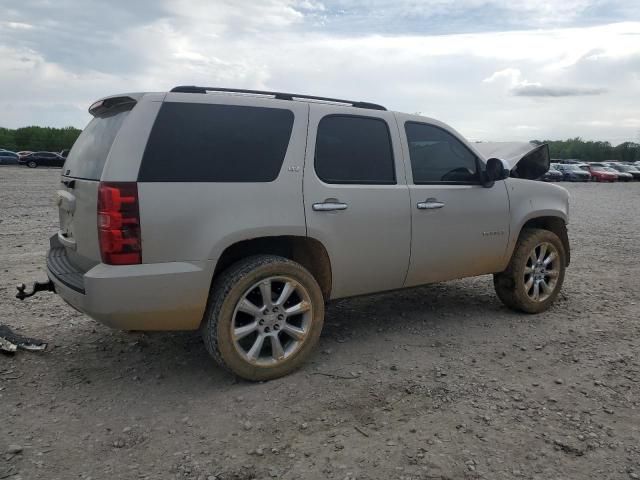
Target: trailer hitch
[[37, 287]]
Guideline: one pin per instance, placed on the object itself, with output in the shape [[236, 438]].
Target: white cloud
[[18, 25], [467, 79]]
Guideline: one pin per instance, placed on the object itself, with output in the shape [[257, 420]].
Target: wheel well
[[554, 224], [308, 252]]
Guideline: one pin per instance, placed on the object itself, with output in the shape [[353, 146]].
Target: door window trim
[[458, 182], [347, 182]]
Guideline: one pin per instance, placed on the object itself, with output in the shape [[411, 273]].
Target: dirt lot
[[436, 382]]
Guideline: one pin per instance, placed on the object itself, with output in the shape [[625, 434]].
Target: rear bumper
[[158, 296]]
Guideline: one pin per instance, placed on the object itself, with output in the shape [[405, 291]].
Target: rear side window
[[439, 157], [195, 142], [89, 153], [352, 149]]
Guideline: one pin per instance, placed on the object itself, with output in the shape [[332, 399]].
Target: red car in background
[[599, 173]]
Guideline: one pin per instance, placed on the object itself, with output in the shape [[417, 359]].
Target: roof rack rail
[[278, 95]]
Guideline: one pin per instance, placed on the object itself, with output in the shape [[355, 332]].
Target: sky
[[496, 70]]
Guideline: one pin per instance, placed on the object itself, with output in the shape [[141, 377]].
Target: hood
[[524, 159]]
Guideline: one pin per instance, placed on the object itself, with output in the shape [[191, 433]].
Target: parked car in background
[[8, 158], [573, 173], [621, 177], [566, 161], [599, 173], [627, 169], [552, 175], [45, 159], [64, 153]]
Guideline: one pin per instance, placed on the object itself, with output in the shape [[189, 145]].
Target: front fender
[[530, 200]]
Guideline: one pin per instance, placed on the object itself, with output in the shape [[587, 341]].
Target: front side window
[[439, 157], [354, 150]]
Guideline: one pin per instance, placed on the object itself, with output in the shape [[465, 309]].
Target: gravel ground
[[440, 381]]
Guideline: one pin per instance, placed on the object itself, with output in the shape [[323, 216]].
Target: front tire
[[535, 273], [264, 317]]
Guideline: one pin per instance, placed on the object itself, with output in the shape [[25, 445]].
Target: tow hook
[[37, 287]]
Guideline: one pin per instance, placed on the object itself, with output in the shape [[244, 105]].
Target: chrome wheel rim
[[271, 321], [541, 272]]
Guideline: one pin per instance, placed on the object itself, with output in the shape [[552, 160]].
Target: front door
[[356, 199], [459, 228]]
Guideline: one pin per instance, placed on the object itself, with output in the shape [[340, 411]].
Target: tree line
[[37, 139], [592, 151], [57, 139]]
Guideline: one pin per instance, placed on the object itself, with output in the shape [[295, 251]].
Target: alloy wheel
[[272, 320], [541, 272]]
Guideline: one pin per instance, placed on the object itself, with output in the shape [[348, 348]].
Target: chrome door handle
[[430, 204], [329, 206]]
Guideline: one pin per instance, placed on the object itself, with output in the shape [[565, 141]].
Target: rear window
[[89, 153], [194, 142]]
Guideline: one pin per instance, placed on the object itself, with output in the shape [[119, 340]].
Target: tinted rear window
[[89, 153], [194, 142]]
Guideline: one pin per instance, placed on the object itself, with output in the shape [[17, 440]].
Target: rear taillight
[[119, 223]]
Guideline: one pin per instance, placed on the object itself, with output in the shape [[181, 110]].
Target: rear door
[[77, 196], [356, 199]]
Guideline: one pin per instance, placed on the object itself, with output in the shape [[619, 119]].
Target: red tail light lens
[[119, 223]]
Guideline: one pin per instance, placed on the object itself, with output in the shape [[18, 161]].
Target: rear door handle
[[430, 204], [329, 206]]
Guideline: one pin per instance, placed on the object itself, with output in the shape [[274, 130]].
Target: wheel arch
[[554, 223], [307, 251]]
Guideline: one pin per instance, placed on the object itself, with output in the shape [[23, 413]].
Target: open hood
[[524, 160]]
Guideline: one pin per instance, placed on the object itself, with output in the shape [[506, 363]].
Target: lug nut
[[266, 329], [276, 327], [281, 317], [261, 322]]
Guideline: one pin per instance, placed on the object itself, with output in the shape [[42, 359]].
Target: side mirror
[[494, 170]]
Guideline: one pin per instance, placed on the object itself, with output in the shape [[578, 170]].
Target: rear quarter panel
[[196, 221]]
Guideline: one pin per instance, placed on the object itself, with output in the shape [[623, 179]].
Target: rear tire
[[32, 164], [264, 317], [535, 273]]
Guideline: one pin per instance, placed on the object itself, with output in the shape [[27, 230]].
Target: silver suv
[[241, 213]]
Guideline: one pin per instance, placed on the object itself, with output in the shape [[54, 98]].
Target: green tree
[[38, 138], [592, 151]]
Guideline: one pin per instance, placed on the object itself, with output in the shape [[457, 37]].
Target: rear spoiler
[[112, 104]]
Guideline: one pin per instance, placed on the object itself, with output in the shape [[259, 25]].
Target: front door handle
[[430, 204], [329, 206]]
